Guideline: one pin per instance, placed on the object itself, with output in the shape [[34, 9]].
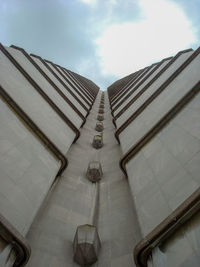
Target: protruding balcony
[[100, 117], [86, 245], [94, 171], [97, 141], [101, 105], [99, 126], [101, 110]]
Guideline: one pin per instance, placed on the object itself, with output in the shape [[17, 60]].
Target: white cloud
[[89, 2], [163, 30]]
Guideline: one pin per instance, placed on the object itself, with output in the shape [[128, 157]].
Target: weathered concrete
[[152, 88], [160, 148], [60, 76], [161, 105], [70, 204], [59, 84], [27, 171], [25, 95], [45, 85]]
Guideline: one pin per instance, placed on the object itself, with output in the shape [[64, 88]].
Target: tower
[[90, 176]]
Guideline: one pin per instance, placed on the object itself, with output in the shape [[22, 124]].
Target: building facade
[[99, 178]]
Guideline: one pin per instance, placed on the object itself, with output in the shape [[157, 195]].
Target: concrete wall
[[139, 79], [161, 105], [143, 84], [118, 95], [70, 203], [59, 85], [152, 88], [45, 85], [162, 174], [60, 76], [166, 171], [30, 155], [27, 171], [34, 105], [77, 84], [181, 249], [28, 168]]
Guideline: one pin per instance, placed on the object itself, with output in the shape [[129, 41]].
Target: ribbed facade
[[126, 162]]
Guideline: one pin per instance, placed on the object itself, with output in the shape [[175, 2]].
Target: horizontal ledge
[[156, 93], [10, 234], [159, 125], [36, 130], [166, 228], [61, 81], [41, 92], [50, 81]]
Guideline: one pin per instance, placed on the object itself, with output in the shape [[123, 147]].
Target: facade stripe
[[140, 83], [40, 91], [68, 81], [60, 80], [152, 81], [36, 130], [156, 93], [50, 81], [185, 211], [20, 244], [70, 77], [79, 83], [125, 87], [159, 126]]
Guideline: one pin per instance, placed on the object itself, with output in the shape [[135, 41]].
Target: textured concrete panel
[[161, 105], [181, 249], [166, 171], [34, 105], [61, 77], [59, 85], [46, 86], [27, 171], [153, 88], [71, 202], [141, 86]]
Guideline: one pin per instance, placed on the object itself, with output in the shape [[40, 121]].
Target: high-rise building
[[93, 178]]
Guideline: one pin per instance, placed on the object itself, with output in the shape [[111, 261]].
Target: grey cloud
[[64, 31], [192, 10]]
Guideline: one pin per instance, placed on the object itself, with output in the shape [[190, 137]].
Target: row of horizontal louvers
[[143, 87], [56, 100], [42, 107], [156, 114]]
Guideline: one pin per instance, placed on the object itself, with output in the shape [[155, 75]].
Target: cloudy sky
[[103, 40]]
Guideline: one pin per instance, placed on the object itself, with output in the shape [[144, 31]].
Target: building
[[78, 163]]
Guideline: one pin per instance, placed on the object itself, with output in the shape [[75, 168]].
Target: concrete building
[[97, 178]]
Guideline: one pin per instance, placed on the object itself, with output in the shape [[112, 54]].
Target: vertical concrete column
[[86, 242], [95, 208]]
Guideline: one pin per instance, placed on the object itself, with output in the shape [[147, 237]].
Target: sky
[[103, 40]]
